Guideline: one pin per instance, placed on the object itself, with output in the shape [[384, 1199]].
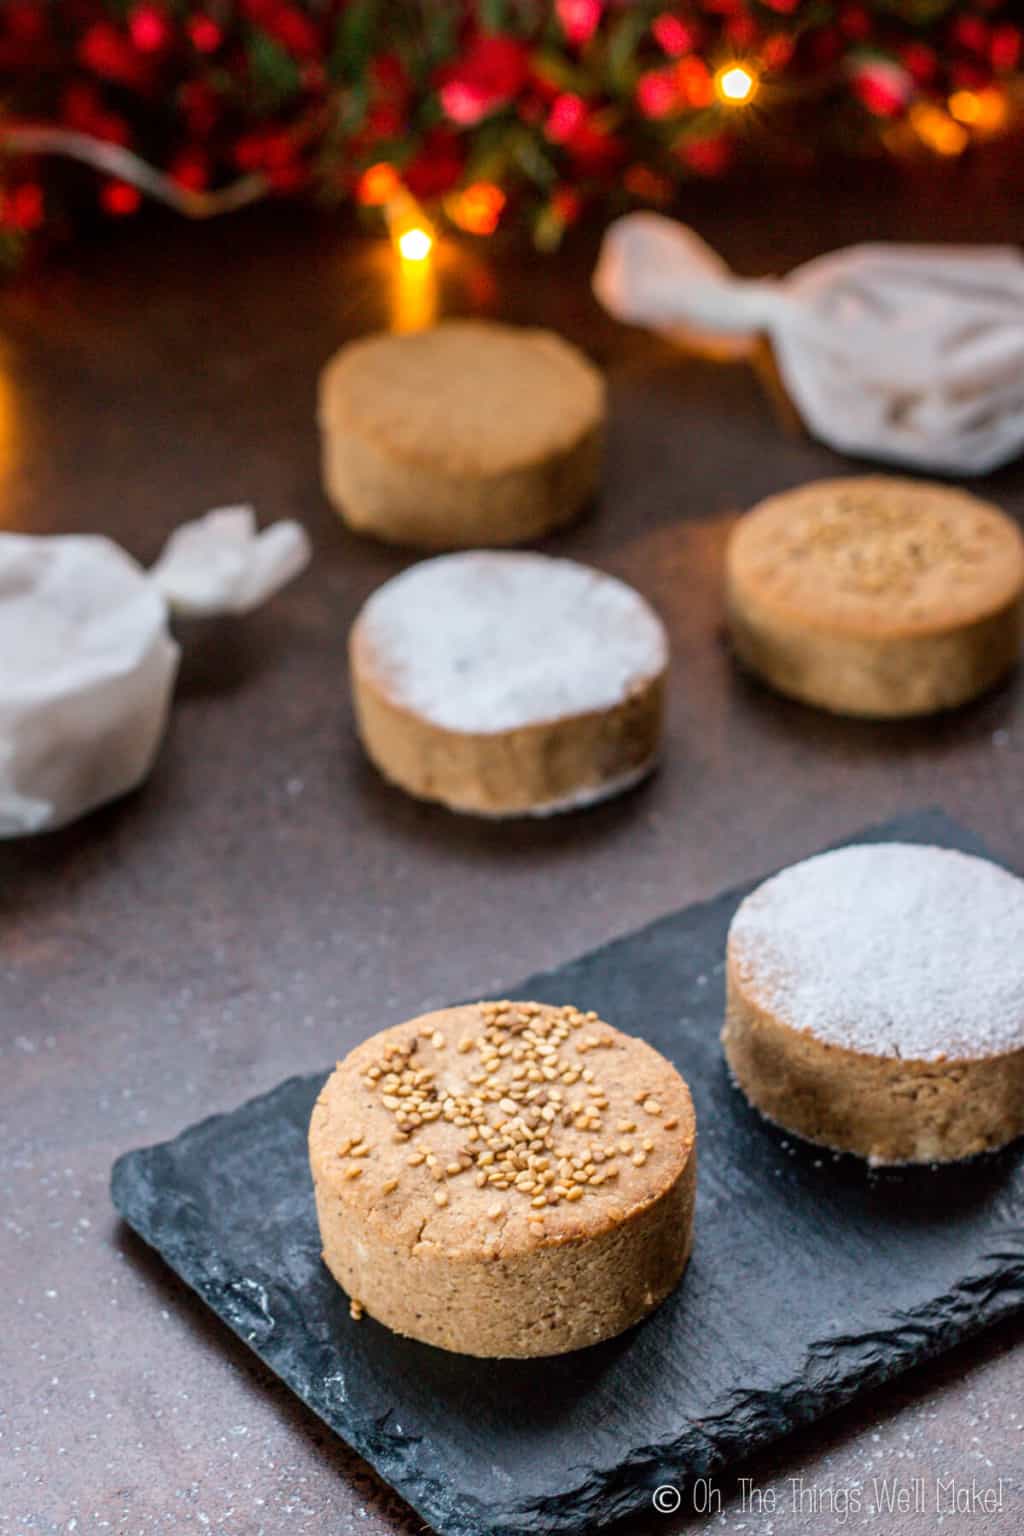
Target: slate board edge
[[768, 1416]]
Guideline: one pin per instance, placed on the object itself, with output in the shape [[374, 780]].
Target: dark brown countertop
[[264, 901]]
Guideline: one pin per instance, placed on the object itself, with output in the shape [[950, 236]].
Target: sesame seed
[[353, 1171], [440, 1197], [652, 1107], [355, 1310], [512, 1104], [389, 1187]]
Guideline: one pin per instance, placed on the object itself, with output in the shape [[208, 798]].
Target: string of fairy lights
[[478, 207], [527, 115]]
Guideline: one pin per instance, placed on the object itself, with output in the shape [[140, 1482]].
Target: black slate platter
[[811, 1278]]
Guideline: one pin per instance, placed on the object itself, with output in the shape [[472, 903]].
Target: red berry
[[149, 28], [120, 198], [23, 206], [673, 36], [294, 31], [855, 22], [970, 32], [566, 115], [708, 157], [190, 170], [1005, 48], [920, 62], [204, 32], [25, 20], [108, 53]]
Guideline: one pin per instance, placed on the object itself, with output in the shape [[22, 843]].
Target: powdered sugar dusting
[[890, 949], [493, 641]]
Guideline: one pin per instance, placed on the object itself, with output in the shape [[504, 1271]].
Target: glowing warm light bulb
[[415, 245], [965, 106], [377, 185], [477, 208], [735, 84], [411, 232], [937, 130], [986, 111], [415, 290]]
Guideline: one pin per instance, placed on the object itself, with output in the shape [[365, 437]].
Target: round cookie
[[471, 433], [876, 596], [875, 1002], [508, 684], [505, 1179]]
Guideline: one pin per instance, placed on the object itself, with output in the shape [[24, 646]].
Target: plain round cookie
[[505, 1179], [468, 434], [507, 684], [876, 596], [875, 1002]]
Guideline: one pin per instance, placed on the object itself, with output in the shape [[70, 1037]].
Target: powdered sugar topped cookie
[[876, 1001], [892, 949], [504, 683], [493, 642]]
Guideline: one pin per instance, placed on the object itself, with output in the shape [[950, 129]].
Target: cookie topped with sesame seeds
[[505, 1178], [876, 595]]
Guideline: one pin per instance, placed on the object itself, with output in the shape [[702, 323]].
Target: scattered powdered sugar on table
[[483, 641], [890, 949]]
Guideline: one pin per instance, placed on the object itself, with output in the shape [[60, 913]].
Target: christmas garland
[[484, 109]]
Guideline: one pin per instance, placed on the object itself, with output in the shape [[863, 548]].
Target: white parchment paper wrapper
[[907, 353], [221, 563], [87, 660]]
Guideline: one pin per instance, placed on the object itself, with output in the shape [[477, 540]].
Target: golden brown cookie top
[[500, 1127], [466, 397], [877, 555]]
